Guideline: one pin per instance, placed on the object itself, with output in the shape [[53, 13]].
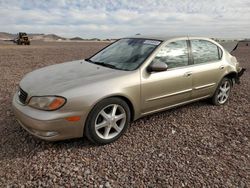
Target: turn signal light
[[73, 118], [57, 102]]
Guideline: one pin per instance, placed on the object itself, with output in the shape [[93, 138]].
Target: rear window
[[205, 51]]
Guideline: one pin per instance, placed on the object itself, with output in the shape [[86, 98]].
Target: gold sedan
[[99, 96]]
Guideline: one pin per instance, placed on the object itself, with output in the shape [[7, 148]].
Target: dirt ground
[[191, 146]]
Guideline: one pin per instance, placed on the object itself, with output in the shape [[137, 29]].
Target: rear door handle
[[187, 74], [222, 67]]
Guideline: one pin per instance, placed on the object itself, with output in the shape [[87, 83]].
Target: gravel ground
[[191, 146]]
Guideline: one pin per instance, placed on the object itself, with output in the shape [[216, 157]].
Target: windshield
[[125, 54]]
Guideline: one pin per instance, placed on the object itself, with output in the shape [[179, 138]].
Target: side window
[[204, 51], [174, 54]]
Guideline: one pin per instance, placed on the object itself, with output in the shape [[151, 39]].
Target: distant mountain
[[48, 37], [53, 37], [76, 38], [94, 39]]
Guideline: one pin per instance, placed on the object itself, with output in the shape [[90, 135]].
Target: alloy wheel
[[224, 91], [110, 121]]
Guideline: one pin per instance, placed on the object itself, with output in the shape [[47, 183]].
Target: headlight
[[47, 102]]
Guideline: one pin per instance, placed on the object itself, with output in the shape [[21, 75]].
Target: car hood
[[54, 79]]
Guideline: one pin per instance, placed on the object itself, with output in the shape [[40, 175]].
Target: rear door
[[207, 67]]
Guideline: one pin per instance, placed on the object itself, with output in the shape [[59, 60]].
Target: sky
[[120, 18]]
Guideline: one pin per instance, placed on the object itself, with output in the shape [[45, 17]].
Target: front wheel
[[107, 121], [222, 92]]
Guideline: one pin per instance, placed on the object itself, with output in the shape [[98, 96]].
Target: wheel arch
[[124, 98], [231, 75], [130, 105]]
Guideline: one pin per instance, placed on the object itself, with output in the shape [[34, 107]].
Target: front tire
[[222, 92], [107, 121]]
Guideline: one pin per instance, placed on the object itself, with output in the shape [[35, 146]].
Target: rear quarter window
[[205, 51]]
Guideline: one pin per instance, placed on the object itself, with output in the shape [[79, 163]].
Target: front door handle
[[187, 74]]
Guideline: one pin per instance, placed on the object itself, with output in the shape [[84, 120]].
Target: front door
[[160, 90]]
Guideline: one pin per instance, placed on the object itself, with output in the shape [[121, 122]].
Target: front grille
[[22, 95]]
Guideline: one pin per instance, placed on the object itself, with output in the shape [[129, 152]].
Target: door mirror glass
[[157, 66]]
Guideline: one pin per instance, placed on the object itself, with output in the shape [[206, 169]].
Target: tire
[[107, 121], [222, 92]]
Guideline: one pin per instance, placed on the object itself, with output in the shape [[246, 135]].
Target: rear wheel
[[107, 121], [222, 92]]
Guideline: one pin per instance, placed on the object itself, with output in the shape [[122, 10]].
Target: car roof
[[165, 37]]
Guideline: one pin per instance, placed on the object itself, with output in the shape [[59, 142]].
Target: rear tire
[[222, 92], [107, 121]]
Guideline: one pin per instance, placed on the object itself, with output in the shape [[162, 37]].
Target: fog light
[[45, 133]]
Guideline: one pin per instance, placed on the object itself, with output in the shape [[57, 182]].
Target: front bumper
[[51, 126], [239, 74]]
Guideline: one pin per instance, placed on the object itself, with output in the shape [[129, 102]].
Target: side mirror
[[157, 66]]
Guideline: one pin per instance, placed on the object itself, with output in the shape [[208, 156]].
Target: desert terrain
[[191, 146]]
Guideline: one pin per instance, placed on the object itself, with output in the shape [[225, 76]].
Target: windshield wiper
[[89, 60], [102, 64], [105, 65]]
